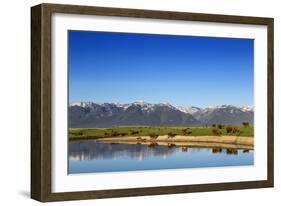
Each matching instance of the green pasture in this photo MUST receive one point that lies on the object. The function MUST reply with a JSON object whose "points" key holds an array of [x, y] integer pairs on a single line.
{"points": [[94, 133]]}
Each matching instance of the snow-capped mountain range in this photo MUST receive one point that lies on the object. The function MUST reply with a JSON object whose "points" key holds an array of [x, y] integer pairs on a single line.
{"points": [[91, 114]]}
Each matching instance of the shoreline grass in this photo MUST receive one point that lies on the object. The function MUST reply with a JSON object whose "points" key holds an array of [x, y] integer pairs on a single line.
{"points": [[187, 141]]}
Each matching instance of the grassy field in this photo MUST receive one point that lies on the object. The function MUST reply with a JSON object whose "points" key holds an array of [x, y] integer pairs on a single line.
{"points": [[94, 133]]}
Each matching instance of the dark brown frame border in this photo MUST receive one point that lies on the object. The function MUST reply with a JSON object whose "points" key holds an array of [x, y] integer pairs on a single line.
{"points": [[41, 101]]}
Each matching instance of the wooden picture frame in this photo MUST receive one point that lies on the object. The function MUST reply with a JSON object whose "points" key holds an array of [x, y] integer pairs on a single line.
{"points": [[41, 116]]}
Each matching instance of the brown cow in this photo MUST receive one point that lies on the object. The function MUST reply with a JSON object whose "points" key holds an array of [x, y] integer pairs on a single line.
{"points": [[216, 131], [115, 134], [134, 132], [171, 135], [228, 129], [153, 136], [235, 130], [139, 139], [186, 131]]}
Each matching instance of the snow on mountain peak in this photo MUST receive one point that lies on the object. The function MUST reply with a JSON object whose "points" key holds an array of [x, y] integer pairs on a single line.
{"points": [[140, 103], [149, 106], [190, 110], [247, 108], [231, 108], [82, 104], [167, 104]]}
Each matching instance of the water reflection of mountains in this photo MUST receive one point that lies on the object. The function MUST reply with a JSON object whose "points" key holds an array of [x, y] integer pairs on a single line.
{"points": [[91, 150]]}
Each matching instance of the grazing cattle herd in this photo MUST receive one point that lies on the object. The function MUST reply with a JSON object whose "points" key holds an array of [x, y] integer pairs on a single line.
{"points": [[217, 131], [153, 137], [153, 133]]}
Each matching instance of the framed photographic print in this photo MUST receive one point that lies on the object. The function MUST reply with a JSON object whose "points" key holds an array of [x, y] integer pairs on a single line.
{"points": [[130, 102]]}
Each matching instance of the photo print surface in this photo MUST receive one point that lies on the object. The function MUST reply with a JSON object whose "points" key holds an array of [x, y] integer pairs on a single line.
{"points": [[151, 102]]}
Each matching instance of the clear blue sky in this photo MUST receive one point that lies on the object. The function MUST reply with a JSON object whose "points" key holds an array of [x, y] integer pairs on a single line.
{"points": [[181, 70]]}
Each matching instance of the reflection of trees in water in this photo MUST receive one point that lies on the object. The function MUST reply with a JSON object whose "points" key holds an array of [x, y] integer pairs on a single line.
{"points": [[171, 145], [89, 150], [227, 151], [232, 151], [216, 150], [184, 149]]}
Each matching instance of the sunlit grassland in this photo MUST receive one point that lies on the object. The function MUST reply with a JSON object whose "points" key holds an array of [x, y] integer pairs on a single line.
{"points": [[94, 133]]}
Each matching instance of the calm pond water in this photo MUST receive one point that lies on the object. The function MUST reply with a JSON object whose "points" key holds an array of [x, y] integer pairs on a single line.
{"points": [[89, 156]]}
